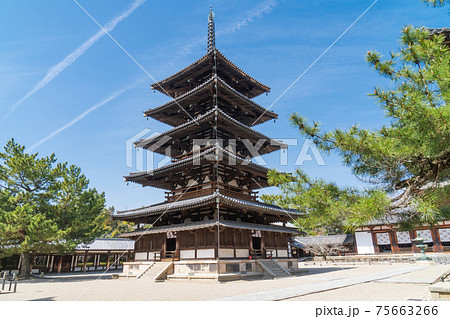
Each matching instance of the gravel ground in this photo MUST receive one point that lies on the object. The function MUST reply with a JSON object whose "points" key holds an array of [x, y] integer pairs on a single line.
{"points": [[90, 287]]}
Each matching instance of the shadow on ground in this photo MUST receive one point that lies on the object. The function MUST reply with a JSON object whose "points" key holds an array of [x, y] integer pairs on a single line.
{"points": [[70, 277], [324, 270], [43, 299]]}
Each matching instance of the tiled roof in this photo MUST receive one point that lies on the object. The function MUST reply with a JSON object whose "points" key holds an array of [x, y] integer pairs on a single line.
{"points": [[113, 244], [191, 160], [330, 240], [210, 223], [206, 117], [205, 86], [438, 30], [202, 201], [210, 55]]}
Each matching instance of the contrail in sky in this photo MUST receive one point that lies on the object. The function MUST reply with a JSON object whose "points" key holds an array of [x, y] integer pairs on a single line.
{"points": [[85, 113], [264, 7], [72, 57]]}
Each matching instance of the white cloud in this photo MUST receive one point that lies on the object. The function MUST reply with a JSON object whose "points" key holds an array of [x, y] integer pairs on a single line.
{"points": [[264, 7]]}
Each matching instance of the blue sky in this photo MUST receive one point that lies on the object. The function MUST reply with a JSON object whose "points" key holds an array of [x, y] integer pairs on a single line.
{"points": [[272, 40]]}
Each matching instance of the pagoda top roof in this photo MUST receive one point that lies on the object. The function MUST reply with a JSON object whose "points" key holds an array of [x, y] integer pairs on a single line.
{"points": [[211, 223], [160, 142], [177, 111], [157, 177], [197, 202], [194, 74]]}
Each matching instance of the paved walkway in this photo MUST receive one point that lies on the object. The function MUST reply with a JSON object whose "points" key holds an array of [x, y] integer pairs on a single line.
{"points": [[291, 292]]}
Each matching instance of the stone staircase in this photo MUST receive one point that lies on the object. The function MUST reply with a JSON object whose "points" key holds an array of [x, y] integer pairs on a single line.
{"points": [[157, 271], [273, 268]]}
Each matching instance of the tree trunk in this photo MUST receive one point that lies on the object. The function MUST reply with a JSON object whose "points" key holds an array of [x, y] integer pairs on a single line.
{"points": [[25, 266]]}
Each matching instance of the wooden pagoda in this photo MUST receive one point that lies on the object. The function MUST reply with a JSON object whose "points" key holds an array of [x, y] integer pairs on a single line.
{"points": [[211, 209]]}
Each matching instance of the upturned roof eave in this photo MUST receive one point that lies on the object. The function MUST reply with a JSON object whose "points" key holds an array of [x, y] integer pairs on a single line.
{"points": [[160, 84], [152, 112], [222, 115], [211, 223], [201, 202], [189, 160]]}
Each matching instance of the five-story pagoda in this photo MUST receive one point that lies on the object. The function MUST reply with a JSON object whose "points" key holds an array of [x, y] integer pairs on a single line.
{"points": [[211, 211]]}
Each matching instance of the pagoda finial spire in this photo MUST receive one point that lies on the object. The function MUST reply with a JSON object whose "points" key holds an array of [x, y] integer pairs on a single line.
{"points": [[211, 31]]}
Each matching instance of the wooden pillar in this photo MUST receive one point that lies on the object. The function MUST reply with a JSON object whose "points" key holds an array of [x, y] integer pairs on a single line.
{"points": [[20, 262], [72, 264], [52, 263], [275, 243], [85, 261], [234, 241], [117, 260], [437, 244], [216, 243], [107, 259], [394, 242], [60, 263], [196, 240], [177, 246], [375, 243], [250, 241], [263, 248], [164, 244]]}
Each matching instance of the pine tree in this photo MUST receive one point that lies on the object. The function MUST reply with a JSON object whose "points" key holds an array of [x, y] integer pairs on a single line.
{"points": [[408, 159], [44, 206]]}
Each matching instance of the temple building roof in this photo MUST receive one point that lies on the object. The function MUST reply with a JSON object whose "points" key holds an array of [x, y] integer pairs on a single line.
{"points": [[211, 223], [202, 69], [319, 241], [444, 31], [162, 177], [200, 99], [192, 130], [167, 207], [107, 244]]}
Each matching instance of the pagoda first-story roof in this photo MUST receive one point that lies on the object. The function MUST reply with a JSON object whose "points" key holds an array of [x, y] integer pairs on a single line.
{"points": [[210, 224], [213, 62], [198, 202], [201, 98], [162, 177], [180, 138]]}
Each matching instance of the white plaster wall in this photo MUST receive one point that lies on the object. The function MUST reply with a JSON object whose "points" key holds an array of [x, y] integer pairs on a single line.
{"points": [[226, 252], [364, 243], [205, 253], [187, 254], [426, 234], [140, 256], [242, 253], [282, 253], [383, 239], [403, 237]]}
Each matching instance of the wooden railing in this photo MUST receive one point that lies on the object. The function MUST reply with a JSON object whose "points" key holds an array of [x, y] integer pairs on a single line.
{"points": [[189, 154], [195, 191], [9, 283]]}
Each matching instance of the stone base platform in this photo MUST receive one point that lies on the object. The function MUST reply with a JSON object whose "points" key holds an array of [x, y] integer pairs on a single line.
{"points": [[440, 291], [224, 269], [215, 277], [211, 269]]}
